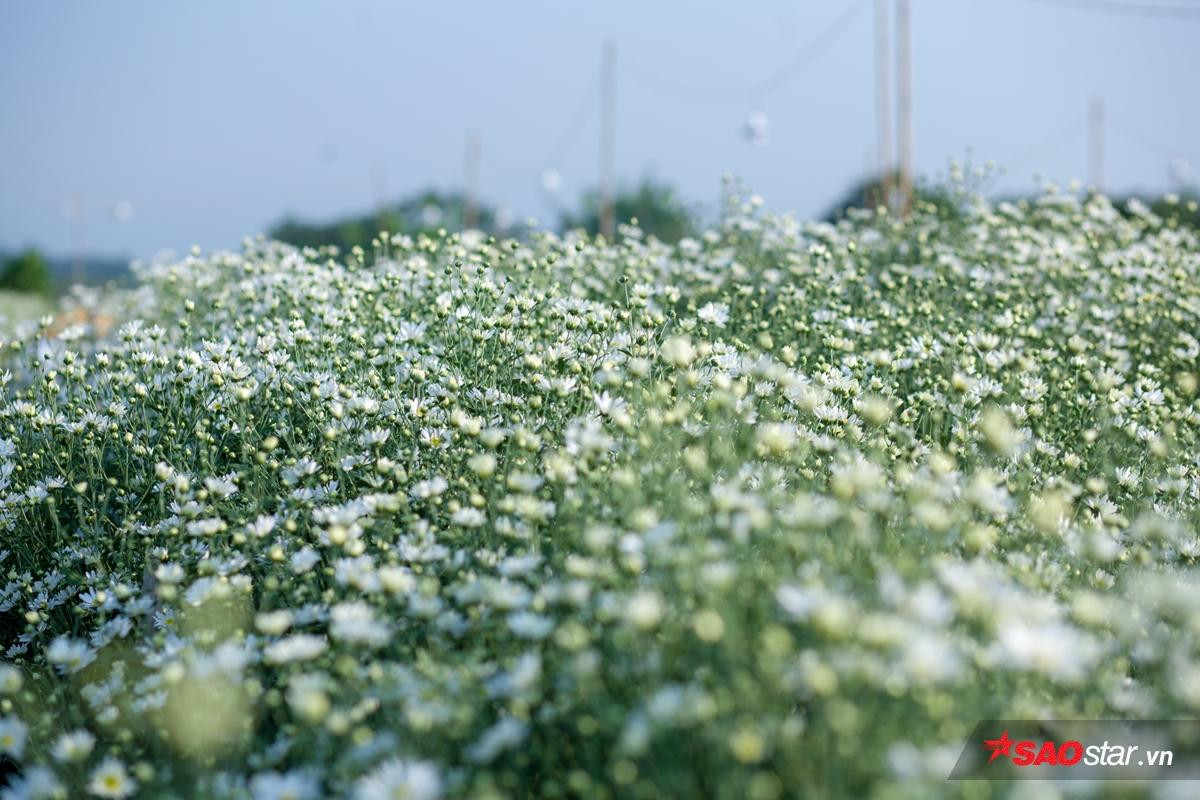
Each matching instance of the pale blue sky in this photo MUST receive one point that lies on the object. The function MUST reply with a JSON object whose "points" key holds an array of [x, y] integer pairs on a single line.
{"points": [[213, 119]]}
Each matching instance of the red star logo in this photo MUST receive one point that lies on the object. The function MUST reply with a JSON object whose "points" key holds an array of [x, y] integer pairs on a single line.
{"points": [[999, 747]]}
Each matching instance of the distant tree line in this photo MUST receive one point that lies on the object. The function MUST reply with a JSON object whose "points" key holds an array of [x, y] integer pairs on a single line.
{"points": [[656, 206], [32, 272], [425, 211], [1177, 209], [27, 272]]}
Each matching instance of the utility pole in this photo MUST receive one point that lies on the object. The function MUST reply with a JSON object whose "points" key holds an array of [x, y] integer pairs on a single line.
{"points": [[76, 209], [608, 132], [379, 192], [883, 102], [470, 218], [904, 145], [1096, 144]]}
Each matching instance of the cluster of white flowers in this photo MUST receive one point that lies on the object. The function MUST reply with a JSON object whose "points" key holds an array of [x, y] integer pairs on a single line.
{"points": [[784, 509]]}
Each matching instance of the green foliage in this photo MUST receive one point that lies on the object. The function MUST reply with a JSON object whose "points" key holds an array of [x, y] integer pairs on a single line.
{"points": [[27, 272], [657, 208], [424, 212], [1174, 209], [780, 511], [948, 199]]}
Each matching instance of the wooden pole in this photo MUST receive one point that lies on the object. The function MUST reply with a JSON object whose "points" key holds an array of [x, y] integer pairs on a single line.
{"points": [[883, 102], [78, 206], [904, 139], [608, 110], [1096, 144], [470, 218]]}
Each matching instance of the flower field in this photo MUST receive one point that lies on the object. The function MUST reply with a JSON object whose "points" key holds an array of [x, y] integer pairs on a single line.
{"points": [[781, 511]]}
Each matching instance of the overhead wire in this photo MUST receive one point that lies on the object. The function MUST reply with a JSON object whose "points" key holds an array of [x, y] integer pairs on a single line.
{"points": [[1127, 8], [802, 58], [761, 88], [575, 123], [1051, 143], [1147, 141]]}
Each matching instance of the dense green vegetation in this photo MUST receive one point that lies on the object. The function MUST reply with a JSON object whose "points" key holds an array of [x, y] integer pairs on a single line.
{"points": [[781, 510], [27, 272], [656, 207], [424, 212]]}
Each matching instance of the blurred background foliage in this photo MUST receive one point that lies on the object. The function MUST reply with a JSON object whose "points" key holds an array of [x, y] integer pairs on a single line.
{"points": [[27, 272], [657, 207], [29, 280]]}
